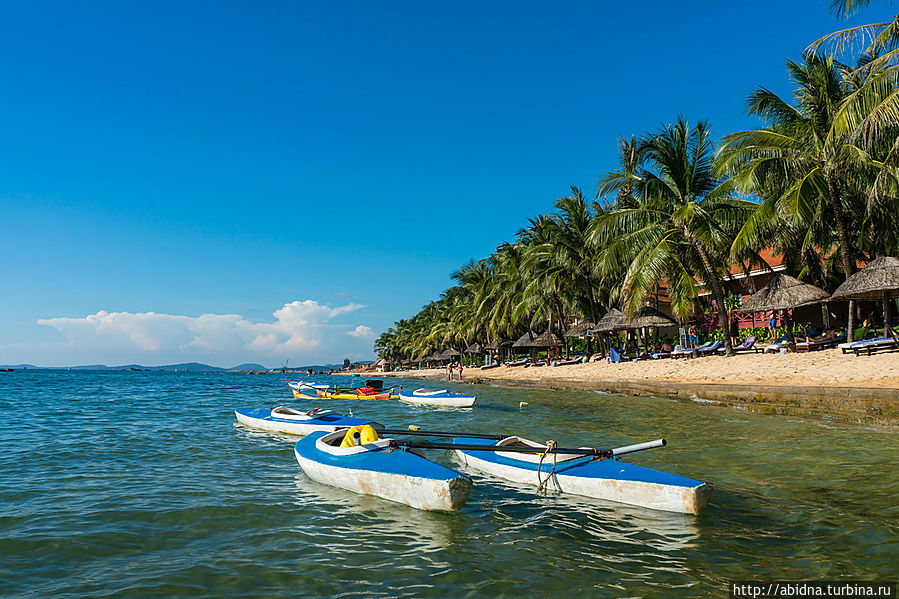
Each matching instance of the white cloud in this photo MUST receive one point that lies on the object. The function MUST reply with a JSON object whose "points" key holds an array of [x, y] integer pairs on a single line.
{"points": [[361, 331], [299, 329]]}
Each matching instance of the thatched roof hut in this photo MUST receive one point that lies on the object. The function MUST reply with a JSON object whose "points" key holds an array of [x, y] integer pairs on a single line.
{"points": [[614, 320], [547, 339], [650, 317], [525, 340], [782, 293], [450, 353], [580, 329], [879, 280], [474, 348]]}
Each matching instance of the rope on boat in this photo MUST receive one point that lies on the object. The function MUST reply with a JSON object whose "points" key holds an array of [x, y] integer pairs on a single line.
{"points": [[550, 446]]}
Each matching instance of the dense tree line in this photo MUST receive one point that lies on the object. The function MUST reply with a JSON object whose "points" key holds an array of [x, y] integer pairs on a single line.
{"points": [[818, 185]]}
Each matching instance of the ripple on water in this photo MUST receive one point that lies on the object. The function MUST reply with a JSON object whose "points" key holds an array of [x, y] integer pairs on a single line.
{"points": [[143, 484]]}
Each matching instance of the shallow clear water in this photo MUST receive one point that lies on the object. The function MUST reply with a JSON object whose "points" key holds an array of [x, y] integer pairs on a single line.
{"points": [[143, 484]]}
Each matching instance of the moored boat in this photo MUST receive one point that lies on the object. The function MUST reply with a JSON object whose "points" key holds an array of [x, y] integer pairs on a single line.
{"points": [[300, 385], [296, 422], [608, 479], [364, 393], [372, 467], [442, 398]]}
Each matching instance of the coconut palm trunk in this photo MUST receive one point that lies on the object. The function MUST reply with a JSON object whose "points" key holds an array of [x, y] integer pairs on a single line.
{"points": [[717, 293]]}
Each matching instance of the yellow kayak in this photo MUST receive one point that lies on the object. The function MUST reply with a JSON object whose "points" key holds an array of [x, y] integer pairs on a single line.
{"points": [[344, 395]]}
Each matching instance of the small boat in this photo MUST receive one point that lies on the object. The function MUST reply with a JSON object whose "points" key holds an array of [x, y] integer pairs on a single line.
{"points": [[360, 393], [608, 479], [372, 467], [442, 398], [299, 385], [296, 422]]}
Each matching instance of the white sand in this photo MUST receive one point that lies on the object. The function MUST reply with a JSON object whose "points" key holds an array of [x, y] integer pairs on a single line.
{"points": [[820, 368]]}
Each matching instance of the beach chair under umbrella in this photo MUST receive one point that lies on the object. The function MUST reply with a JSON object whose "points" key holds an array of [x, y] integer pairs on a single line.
{"points": [[784, 292], [879, 280]]}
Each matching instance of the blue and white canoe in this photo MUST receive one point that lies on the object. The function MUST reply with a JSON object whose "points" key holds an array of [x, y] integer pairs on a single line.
{"points": [[441, 399], [295, 422], [607, 479], [376, 469]]}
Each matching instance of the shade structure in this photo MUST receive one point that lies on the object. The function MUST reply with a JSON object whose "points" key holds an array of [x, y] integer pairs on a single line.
{"points": [[782, 293], [580, 329], [650, 317], [496, 345], [547, 339], [877, 281], [525, 340], [450, 353], [474, 348], [614, 320]]}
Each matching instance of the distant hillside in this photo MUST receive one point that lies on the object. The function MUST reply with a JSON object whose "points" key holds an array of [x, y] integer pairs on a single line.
{"points": [[185, 367]]}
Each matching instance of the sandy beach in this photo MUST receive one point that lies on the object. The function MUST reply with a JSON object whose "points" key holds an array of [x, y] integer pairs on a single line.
{"points": [[823, 368]]}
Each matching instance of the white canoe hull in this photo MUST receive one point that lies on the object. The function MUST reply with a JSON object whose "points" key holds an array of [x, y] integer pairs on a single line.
{"points": [[414, 491], [461, 401], [690, 500], [294, 427]]}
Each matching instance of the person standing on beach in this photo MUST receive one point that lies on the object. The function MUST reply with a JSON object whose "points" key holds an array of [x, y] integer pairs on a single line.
{"points": [[771, 323], [692, 335], [449, 371], [460, 370]]}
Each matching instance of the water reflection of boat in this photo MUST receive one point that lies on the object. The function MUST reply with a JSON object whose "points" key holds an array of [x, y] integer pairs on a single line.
{"points": [[413, 530], [585, 518]]}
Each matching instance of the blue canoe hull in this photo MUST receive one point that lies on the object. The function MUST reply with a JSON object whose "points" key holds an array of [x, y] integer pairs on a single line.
{"points": [[400, 476], [610, 479]]}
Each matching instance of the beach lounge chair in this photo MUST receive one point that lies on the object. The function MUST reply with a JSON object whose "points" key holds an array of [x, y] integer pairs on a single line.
{"points": [[687, 352], [871, 346], [567, 362], [747, 345], [517, 362], [711, 349], [820, 343], [775, 347], [857, 346]]}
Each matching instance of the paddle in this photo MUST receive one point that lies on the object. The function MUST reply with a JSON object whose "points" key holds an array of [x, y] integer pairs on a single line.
{"points": [[588, 451], [421, 433]]}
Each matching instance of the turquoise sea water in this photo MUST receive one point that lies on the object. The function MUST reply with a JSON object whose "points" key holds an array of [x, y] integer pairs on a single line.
{"points": [[120, 484]]}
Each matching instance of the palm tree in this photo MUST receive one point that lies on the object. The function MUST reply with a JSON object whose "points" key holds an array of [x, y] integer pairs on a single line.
{"points": [[795, 164], [681, 221]]}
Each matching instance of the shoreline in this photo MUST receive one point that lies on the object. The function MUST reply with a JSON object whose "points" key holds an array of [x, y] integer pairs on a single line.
{"points": [[824, 385]]}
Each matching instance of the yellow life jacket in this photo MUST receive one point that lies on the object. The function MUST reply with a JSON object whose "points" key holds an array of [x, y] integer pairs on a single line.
{"points": [[367, 434]]}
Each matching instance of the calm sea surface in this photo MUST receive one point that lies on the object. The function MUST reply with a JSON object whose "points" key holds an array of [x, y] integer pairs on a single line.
{"points": [[142, 484]]}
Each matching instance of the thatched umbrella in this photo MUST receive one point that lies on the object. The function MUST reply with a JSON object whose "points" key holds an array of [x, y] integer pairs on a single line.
{"points": [[879, 280], [525, 340], [547, 339], [580, 329], [650, 317], [784, 292], [450, 353], [474, 348], [614, 320]]}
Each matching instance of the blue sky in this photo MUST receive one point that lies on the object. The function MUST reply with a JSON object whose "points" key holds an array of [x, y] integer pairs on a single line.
{"points": [[242, 181]]}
